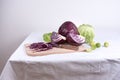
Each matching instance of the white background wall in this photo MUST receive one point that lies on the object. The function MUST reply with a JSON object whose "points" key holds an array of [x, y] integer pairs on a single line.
{"points": [[18, 18]]}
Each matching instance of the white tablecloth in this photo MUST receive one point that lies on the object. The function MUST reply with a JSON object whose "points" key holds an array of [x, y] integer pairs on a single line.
{"points": [[100, 64]]}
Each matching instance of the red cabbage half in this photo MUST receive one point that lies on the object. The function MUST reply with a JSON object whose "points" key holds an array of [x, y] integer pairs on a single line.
{"points": [[68, 27]]}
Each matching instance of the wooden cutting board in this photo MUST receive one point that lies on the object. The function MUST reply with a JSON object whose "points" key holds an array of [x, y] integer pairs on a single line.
{"points": [[61, 50]]}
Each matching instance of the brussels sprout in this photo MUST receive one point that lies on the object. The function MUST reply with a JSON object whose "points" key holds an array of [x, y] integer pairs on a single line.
{"points": [[106, 44], [87, 31], [98, 45], [89, 50]]}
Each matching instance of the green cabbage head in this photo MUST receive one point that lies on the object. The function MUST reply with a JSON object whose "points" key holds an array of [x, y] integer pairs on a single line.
{"points": [[47, 37], [87, 31]]}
